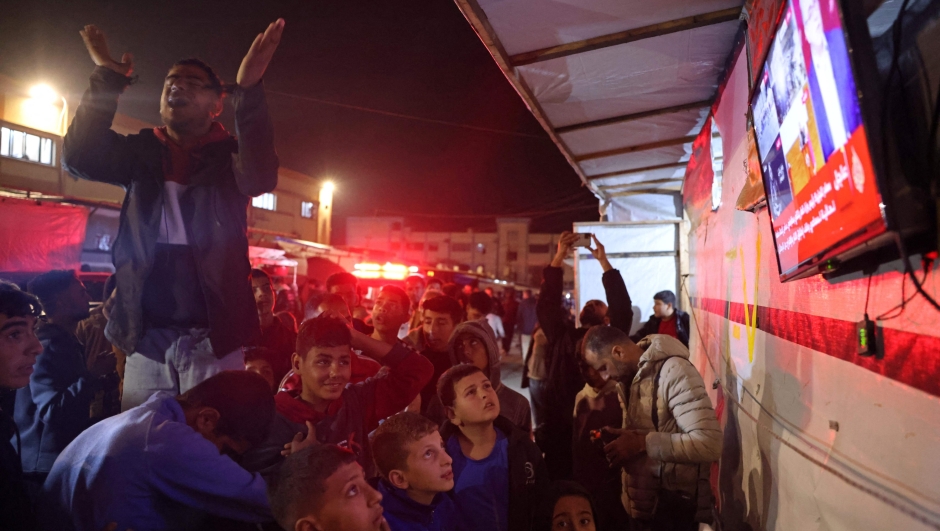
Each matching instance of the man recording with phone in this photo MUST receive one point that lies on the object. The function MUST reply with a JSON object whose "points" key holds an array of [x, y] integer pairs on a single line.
{"points": [[564, 380], [184, 306]]}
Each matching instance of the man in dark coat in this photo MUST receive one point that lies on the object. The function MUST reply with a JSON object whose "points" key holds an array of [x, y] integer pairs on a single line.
{"points": [[666, 319], [564, 379], [184, 306]]}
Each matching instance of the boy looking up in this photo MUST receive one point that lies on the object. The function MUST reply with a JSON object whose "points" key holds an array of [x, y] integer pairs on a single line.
{"points": [[498, 471], [322, 488], [416, 474]]}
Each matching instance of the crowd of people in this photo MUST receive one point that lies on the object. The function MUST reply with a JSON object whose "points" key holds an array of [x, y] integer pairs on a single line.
{"points": [[189, 400]]}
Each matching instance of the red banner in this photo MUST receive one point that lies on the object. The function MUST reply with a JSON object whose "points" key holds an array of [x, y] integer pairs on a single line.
{"points": [[37, 236]]}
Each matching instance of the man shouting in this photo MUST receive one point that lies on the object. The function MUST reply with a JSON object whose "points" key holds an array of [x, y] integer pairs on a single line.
{"points": [[184, 306]]}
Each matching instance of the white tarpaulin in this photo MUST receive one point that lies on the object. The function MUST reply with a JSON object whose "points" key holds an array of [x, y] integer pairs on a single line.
{"points": [[620, 85]]}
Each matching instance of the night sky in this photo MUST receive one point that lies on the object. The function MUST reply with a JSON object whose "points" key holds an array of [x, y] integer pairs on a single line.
{"points": [[411, 57]]}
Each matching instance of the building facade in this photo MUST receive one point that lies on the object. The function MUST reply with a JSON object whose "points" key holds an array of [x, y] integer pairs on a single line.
{"points": [[511, 253]]}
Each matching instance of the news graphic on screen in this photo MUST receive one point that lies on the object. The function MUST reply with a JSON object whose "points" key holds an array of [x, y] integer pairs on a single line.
{"points": [[814, 153]]}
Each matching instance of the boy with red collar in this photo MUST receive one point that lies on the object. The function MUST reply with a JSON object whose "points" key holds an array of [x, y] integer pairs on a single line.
{"points": [[327, 408]]}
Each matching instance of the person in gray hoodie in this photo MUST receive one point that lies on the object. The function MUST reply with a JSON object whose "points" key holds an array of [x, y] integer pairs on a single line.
{"points": [[474, 342]]}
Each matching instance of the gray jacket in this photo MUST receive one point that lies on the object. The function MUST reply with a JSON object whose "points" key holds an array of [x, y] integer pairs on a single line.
{"points": [[679, 455]]}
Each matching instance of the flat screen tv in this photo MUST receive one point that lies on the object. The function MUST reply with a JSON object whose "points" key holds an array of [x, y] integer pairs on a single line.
{"points": [[817, 151]]}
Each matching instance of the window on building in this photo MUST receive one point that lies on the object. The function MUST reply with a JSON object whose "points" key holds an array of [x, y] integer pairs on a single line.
{"points": [[265, 201], [461, 247], [416, 246], [306, 209], [537, 248], [432, 247], [481, 248], [512, 256], [24, 146]]}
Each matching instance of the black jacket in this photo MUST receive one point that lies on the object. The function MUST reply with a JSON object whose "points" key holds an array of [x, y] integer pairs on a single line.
{"points": [[15, 507], [528, 475], [564, 379], [214, 207], [652, 327]]}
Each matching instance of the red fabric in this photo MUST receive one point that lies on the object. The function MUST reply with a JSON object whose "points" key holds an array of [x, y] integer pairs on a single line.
{"points": [[697, 187], [178, 165], [37, 236], [363, 368], [296, 410], [908, 358], [668, 327]]}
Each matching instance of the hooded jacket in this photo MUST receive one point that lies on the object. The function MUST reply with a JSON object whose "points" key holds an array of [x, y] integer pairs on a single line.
{"points": [[404, 514], [214, 207], [679, 455], [512, 404], [528, 475]]}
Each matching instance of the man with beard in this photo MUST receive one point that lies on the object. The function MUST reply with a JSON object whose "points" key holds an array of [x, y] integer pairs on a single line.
{"points": [[670, 433], [55, 407], [275, 337], [184, 308]]}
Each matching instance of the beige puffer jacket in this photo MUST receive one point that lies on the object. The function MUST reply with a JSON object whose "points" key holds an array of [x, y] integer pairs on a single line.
{"points": [[679, 456]]}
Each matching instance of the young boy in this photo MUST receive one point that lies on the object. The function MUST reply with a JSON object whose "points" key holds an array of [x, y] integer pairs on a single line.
{"points": [[473, 342], [498, 471], [323, 488], [261, 361], [416, 472], [598, 406], [326, 408]]}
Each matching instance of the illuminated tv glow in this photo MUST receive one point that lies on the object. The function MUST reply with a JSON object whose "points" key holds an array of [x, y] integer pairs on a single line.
{"points": [[814, 152]]}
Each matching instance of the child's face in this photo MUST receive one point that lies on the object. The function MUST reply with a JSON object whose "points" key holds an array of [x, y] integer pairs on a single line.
{"points": [[324, 373], [428, 468], [470, 349], [263, 369], [573, 513], [348, 504], [592, 376], [476, 401]]}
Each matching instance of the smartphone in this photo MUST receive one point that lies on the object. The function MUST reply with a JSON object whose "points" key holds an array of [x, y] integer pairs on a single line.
{"points": [[584, 240]]}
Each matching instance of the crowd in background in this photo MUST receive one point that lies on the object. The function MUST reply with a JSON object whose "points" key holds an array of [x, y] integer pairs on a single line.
{"points": [[203, 394]]}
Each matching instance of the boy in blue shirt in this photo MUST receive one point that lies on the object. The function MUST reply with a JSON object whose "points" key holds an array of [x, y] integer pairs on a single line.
{"points": [[416, 474], [499, 473]]}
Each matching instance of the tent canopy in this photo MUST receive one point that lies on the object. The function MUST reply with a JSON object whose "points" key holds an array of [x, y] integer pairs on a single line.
{"points": [[621, 86]]}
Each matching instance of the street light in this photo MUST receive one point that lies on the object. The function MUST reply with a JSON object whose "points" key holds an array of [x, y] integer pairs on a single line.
{"points": [[41, 108], [325, 212]]}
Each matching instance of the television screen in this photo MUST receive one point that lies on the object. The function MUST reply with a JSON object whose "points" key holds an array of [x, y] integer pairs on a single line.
{"points": [[814, 153]]}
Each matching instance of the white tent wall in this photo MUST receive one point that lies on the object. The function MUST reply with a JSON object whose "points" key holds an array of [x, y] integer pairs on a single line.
{"points": [[815, 437], [645, 253]]}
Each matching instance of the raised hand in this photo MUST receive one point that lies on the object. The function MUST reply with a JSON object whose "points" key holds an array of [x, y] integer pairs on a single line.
{"points": [[600, 254], [259, 55], [565, 243], [97, 47]]}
